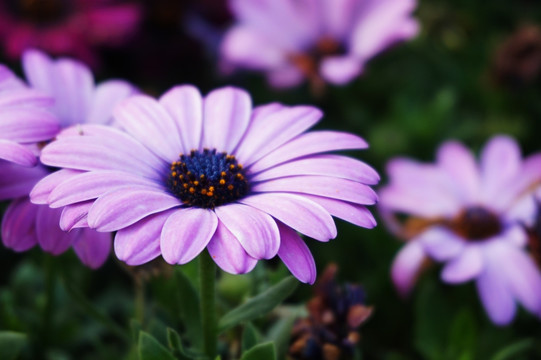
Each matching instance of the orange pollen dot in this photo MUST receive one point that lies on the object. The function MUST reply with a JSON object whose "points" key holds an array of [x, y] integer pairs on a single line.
{"points": [[232, 166], [196, 182], [222, 182], [174, 173], [240, 177], [211, 189], [210, 193], [230, 187], [181, 177], [185, 186], [202, 176], [192, 190], [204, 191], [223, 174]]}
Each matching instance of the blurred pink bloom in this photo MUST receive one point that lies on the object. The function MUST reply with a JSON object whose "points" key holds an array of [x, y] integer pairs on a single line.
{"points": [[473, 218], [65, 27], [322, 40], [77, 100]]}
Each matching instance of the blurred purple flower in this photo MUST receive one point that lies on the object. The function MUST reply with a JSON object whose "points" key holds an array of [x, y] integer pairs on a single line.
{"points": [[24, 120], [77, 101], [65, 27], [322, 40], [469, 217], [160, 202]]}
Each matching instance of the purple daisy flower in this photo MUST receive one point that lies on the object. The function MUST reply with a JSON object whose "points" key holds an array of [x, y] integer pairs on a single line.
{"points": [[77, 101], [471, 218], [325, 40], [191, 173], [24, 120]]}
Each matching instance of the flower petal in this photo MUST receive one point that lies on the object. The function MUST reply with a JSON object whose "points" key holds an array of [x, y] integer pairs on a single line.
{"points": [[186, 233], [17, 181], [122, 207], [19, 225], [441, 244], [308, 144], [19, 154], [256, 231], [92, 247], [464, 267], [43, 188], [353, 213], [75, 216], [296, 212], [107, 95], [226, 116], [340, 70], [334, 188], [140, 243], [26, 124], [296, 256], [228, 253], [406, 266], [495, 296], [50, 237], [185, 105], [269, 130], [325, 165]]}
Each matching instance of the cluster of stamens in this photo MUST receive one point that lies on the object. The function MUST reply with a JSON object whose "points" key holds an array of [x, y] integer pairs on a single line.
{"points": [[476, 223], [207, 179]]}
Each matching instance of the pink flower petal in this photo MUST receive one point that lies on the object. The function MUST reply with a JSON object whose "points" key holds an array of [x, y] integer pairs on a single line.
{"points": [[296, 255], [406, 266], [464, 267], [92, 247], [19, 225]]}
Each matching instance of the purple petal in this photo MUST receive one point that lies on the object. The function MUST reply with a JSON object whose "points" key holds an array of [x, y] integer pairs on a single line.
{"points": [[285, 76], [17, 181], [91, 185], [338, 16], [228, 253], [104, 153], [19, 154], [441, 244], [524, 181], [296, 255], [326, 165], [75, 216], [185, 105], [26, 125], [269, 130], [353, 213], [122, 207], [340, 70], [406, 266], [495, 296], [148, 122], [500, 161], [107, 95], [19, 225], [226, 116], [296, 212], [43, 188], [256, 231], [308, 144], [50, 237], [92, 247], [459, 163], [186, 233], [140, 243], [464, 267], [334, 188], [25, 97]]}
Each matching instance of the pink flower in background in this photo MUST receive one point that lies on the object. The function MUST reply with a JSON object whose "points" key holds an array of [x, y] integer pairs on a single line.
{"points": [[77, 100], [322, 40], [63, 27], [191, 173], [24, 120], [470, 217]]}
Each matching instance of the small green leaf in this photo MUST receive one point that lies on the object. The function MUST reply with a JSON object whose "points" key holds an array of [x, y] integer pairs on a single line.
{"points": [[249, 337], [280, 335], [11, 344], [264, 351], [259, 305], [151, 349], [190, 309], [512, 351], [135, 329]]}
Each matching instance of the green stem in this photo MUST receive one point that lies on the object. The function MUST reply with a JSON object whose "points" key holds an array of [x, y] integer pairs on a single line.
{"points": [[207, 280]]}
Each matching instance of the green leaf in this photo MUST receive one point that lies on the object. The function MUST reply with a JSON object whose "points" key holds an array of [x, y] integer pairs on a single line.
{"points": [[151, 349], [264, 351], [11, 344], [259, 305], [463, 336], [190, 309], [135, 329], [512, 351], [175, 344], [280, 334], [249, 337]]}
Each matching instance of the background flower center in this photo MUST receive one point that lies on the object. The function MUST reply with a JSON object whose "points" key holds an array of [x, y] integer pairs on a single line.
{"points": [[207, 179], [476, 223]]}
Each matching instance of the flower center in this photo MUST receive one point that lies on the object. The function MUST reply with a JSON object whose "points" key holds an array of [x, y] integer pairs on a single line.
{"points": [[476, 223], [308, 62], [207, 179], [39, 12]]}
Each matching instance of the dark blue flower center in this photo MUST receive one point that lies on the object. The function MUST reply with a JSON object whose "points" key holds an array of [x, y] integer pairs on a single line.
{"points": [[207, 179], [476, 223]]}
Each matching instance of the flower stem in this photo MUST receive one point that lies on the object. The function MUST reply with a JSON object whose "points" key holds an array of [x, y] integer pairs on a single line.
{"points": [[207, 280]]}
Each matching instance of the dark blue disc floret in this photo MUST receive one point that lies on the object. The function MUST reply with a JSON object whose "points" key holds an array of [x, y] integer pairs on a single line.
{"points": [[207, 179]]}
